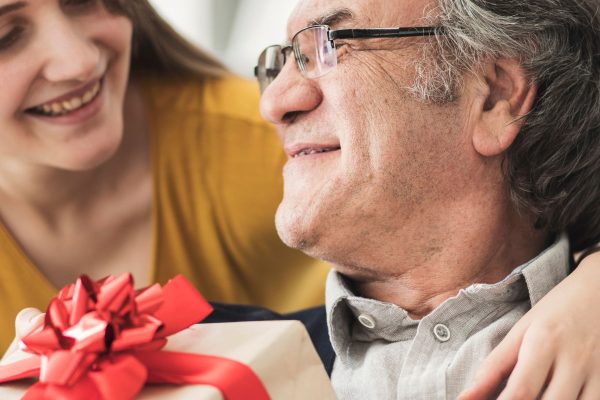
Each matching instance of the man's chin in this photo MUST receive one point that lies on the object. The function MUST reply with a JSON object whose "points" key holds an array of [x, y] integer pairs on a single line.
{"points": [[293, 230]]}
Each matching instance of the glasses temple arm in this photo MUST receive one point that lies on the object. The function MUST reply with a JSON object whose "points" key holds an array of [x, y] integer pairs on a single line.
{"points": [[383, 33]]}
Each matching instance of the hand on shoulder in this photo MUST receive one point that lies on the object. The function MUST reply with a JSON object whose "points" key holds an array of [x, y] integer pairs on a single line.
{"points": [[554, 349]]}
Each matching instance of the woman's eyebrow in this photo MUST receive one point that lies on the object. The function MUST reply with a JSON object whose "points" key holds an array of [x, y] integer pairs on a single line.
{"points": [[12, 7]]}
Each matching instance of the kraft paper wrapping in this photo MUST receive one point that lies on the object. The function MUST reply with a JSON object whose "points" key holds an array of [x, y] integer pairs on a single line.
{"points": [[280, 353]]}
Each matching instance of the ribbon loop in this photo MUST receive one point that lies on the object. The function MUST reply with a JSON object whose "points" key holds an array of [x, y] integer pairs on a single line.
{"points": [[102, 340]]}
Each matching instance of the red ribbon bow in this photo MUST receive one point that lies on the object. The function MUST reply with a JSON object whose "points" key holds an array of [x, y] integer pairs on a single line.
{"points": [[103, 340]]}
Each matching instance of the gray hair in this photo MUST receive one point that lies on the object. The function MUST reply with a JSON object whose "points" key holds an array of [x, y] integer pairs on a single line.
{"points": [[553, 167]]}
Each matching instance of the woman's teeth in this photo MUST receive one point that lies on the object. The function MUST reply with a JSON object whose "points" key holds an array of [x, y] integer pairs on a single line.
{"points": [[66, 106]]}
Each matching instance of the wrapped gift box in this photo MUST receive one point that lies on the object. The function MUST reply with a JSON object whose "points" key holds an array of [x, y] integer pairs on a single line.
{"points": [[279, 352]]}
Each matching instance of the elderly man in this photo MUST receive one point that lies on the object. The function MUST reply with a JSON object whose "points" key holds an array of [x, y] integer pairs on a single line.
{"points": [[437, 167]]}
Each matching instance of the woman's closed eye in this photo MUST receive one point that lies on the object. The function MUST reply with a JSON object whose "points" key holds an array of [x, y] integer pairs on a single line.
{"points": [[14, 34], [11, 38]]}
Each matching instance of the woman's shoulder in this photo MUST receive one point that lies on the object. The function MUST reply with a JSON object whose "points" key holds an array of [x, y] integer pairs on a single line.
{"points": [[228, 97]]}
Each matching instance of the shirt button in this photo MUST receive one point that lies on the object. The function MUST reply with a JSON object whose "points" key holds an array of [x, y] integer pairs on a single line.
{"points": [[441, 332], [367, 321]]}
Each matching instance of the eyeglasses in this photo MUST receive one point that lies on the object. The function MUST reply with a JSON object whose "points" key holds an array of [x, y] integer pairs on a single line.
{"points": [[315, 51]]}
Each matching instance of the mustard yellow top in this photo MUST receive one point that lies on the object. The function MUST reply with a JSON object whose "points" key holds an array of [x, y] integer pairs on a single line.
{"points": [[217, 182]]}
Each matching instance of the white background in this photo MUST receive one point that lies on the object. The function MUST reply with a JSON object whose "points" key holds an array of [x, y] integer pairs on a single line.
{"points": [[236, 31]]}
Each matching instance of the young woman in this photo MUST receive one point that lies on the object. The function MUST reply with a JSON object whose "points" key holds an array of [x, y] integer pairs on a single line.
{"points": [[124, 148]]}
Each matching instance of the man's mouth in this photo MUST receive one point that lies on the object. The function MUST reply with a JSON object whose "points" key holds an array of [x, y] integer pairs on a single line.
{"points": [[314, 150], [69, 103]]}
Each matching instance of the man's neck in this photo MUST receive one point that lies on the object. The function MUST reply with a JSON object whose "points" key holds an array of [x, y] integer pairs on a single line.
{"points": [[425, 278]]}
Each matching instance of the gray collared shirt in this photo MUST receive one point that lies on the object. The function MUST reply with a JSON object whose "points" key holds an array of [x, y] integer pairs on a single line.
{"points": [[384, 354]]}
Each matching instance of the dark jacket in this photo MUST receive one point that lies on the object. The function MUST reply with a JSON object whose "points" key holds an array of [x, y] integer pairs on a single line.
{"points": [[314, 320]]}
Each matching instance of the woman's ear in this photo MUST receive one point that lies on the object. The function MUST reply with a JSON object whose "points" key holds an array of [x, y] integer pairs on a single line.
{"points": [[510, 96]]}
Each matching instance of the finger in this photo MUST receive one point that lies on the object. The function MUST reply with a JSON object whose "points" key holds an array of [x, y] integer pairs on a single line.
{"points": [[496, 367], [533, 367], [566, 382], [27, 321], [591, 389]]}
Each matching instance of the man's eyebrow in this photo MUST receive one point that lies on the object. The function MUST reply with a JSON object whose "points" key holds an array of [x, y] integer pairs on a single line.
{"points": [[333, 17], [12, 7]]}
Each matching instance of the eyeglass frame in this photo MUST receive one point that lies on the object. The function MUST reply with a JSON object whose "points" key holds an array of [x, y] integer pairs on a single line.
{"points": [[361, 33]]}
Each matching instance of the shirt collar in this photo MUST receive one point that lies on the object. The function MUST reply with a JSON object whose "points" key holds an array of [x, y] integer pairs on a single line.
{"points": [[533, 279]]}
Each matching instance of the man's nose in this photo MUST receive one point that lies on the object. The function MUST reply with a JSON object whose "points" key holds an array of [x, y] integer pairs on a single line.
{"points": [[289, 95], [70, 53]]}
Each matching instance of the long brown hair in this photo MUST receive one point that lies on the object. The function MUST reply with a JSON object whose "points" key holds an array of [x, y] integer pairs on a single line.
{"points": [[157, 47]]}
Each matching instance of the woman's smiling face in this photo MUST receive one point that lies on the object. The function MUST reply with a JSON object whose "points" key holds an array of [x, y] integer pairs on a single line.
{"points": [[64, 67]]}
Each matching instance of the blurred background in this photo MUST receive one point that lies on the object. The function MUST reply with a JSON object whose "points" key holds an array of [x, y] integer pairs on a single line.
{"points": [[236, 31]]}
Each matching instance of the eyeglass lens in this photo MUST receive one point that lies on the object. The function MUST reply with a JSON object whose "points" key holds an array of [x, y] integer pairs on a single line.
{"points": [[270, 63], [314, 53]]}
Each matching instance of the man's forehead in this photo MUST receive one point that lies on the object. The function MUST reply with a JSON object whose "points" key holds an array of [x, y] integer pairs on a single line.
{"points": [[366, 13]]}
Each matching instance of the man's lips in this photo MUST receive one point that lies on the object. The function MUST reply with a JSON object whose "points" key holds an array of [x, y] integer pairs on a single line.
{"points": [[301, 150]]}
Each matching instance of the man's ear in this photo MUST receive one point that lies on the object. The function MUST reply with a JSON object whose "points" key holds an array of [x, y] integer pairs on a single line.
{"points": [[510, 96]]}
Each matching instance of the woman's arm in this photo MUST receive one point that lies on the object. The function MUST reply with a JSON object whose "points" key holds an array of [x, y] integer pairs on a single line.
{"points": [[556, 343]]}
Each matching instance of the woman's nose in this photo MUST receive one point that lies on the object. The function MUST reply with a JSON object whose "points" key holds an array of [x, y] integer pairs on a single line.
{"points": [[70, 53], [289, 95]]}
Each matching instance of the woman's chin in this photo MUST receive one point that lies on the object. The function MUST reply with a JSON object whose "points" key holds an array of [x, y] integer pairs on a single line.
{"points": [[86, 159]]}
